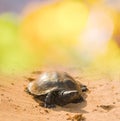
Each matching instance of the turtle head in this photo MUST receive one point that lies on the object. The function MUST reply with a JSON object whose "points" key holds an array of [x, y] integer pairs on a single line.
{"points": [[84, 88]]}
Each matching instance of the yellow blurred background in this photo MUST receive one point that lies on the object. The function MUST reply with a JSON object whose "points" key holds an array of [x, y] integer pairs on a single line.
{"points": [[78, 33]]}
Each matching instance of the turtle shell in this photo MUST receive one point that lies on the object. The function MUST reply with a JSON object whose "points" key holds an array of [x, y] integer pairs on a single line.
{"points": [[49, 81]]}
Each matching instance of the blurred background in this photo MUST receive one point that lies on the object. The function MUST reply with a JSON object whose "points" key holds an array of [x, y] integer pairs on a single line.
{"points": [[68, 33]]}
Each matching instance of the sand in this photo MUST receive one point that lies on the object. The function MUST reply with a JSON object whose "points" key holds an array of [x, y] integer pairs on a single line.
{"points": [[102, 101]]}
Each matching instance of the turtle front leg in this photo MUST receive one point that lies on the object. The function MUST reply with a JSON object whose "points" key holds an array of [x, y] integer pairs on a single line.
{"points": [[78, 100], [66, 97], [49, 100]]}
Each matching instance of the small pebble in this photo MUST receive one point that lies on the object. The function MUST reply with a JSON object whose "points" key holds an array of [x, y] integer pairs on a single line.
{"points": [[2, 94], [12, 83], [46, 111]]}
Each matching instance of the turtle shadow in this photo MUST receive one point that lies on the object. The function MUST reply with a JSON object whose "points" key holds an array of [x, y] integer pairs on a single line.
{"points": [[73, 107]]}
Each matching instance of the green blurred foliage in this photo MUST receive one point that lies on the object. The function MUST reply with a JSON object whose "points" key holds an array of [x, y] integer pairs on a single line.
{"points": [[13, 58]]}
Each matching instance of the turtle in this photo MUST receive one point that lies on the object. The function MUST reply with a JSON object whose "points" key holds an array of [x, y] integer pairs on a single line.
{"points": [[56, 88]]}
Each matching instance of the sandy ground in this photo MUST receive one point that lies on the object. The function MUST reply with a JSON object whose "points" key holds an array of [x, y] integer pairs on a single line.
{"points": [[102, 102]]}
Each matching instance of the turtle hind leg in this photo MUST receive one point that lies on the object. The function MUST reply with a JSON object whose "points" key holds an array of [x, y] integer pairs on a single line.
{"points": [[50, 100], [27, 91], [78, 100]]}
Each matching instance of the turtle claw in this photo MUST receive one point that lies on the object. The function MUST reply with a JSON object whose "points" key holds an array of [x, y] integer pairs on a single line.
{"points": [[49, 105]]}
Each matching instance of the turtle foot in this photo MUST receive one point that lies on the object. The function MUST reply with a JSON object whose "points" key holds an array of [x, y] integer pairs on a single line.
{"points": [[49, 105], [79, 100]]}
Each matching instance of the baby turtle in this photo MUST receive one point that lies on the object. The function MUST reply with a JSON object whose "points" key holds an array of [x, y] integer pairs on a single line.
{"points": [[56, 88]]}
